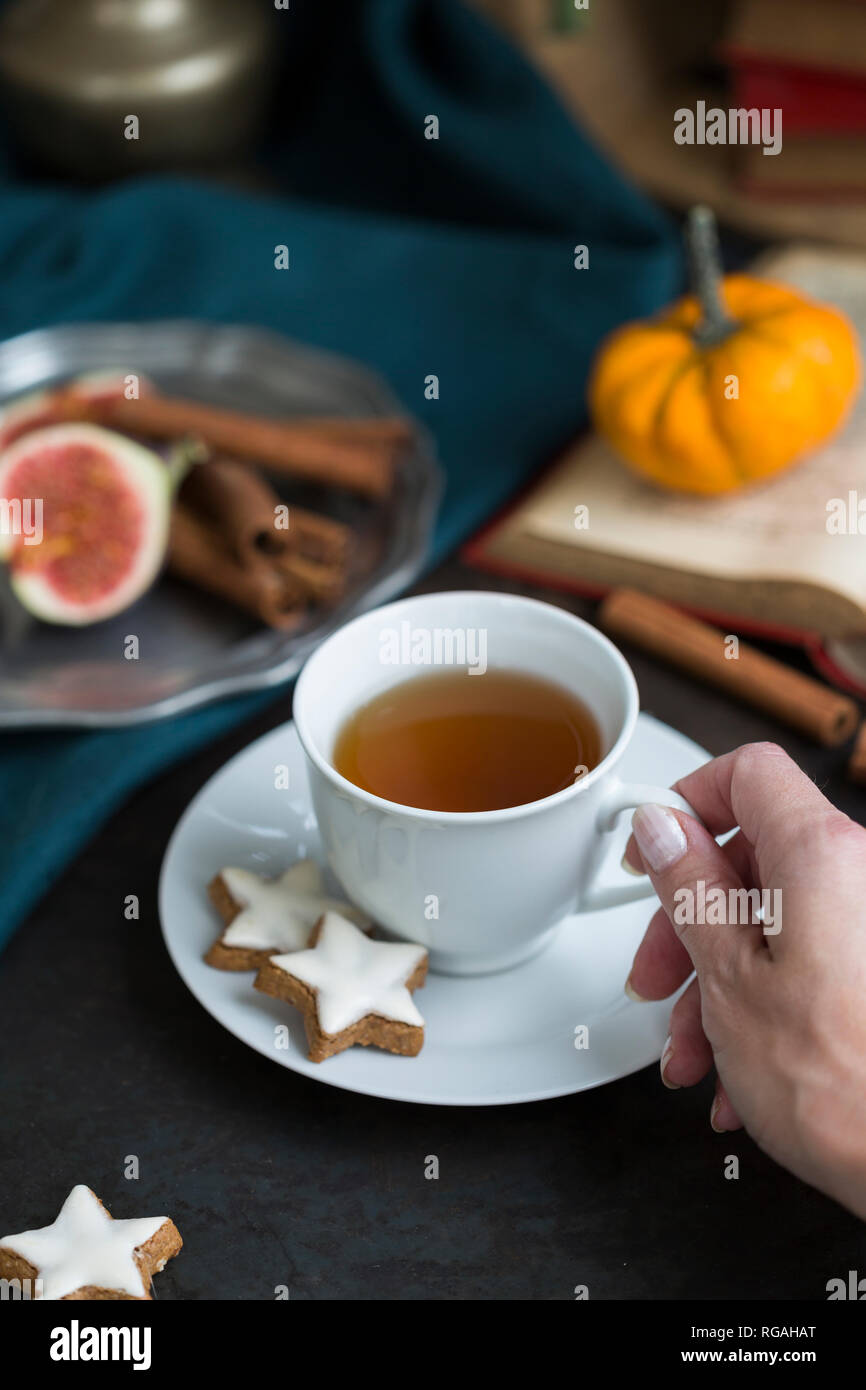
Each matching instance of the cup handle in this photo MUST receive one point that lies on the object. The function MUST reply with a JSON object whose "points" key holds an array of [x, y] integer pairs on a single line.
{"points": [[625, 796]]}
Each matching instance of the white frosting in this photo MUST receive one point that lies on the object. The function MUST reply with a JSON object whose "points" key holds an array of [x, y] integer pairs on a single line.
{"points": [[86, 1246], [355, 976], [278, 914]]}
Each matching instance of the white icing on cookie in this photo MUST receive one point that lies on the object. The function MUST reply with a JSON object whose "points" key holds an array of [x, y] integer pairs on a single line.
{"points": [[85, 1246], [355, 976], [279, 914]]}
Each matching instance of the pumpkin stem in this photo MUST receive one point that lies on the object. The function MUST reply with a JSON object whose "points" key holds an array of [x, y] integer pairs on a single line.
{"points": [[703, 244]]}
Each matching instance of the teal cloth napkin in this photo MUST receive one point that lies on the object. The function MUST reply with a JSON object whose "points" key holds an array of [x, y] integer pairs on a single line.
{"points": [[451, 257]]}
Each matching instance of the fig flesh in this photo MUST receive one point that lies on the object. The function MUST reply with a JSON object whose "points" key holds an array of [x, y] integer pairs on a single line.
{"points": [[84, 521]]}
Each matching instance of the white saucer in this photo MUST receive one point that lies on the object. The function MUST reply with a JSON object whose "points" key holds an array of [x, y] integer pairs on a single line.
{"points": [[490, 1040]]}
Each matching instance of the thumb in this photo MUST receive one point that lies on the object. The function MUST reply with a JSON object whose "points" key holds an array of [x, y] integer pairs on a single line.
{"points": [[699, 888]]}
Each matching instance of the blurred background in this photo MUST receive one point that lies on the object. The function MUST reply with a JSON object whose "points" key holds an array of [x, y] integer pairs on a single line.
{"points": [[209, 78], [622, 67]]}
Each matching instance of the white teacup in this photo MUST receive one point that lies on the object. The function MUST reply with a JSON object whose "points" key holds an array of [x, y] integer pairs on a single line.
{"points": [[483, 890]]}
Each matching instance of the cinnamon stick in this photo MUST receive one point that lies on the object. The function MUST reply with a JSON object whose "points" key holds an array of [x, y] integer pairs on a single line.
{"points": [[759, 680], [857, 761], [336, 458], [385, 429], [246, 509], [197, 554], [239, 503], [321, 583], [319, 538]]}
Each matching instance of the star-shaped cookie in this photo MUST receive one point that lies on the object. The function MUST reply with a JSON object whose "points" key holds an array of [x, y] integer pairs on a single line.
{"points": [[351, 989], [86, 1254], [268, 915]]}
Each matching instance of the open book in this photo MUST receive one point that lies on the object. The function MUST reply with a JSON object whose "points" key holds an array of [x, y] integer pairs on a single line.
{"points": [[784, 558]]}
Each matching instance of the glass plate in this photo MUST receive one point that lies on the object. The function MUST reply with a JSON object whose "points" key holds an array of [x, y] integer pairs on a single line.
{"points": [[194, 648]]}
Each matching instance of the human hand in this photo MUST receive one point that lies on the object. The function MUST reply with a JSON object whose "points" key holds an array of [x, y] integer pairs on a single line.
{"points": [[778, 1008]]}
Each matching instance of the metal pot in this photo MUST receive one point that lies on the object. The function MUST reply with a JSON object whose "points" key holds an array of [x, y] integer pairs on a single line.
{"points": [[99, 88]]}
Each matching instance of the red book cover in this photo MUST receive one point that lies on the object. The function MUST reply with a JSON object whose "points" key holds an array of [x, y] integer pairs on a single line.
{"points": [[813, 101]]}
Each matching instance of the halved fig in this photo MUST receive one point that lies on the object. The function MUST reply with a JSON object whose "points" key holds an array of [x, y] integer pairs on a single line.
{"points": [[104, 503]]}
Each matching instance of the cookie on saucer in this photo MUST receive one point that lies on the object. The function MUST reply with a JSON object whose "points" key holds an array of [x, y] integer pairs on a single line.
{"points": [[264, 916], [351, 989]]}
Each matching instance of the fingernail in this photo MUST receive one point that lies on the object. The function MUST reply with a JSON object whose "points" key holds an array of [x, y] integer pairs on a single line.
{"points": [[629, 868], [632, 992], [659, 835], [716, 1107], [667, 1054]]}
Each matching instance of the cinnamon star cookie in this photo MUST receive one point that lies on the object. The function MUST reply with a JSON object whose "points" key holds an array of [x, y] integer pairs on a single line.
{"points": [[264, 916], [351, 989], [86, 1254]]}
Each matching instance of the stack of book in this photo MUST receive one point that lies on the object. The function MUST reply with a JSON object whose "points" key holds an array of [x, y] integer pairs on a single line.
{"points": [[808, 61], [763, 561]]}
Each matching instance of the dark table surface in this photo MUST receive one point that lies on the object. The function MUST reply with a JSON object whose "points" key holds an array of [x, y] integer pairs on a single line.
{"points": [[275, 1179]]}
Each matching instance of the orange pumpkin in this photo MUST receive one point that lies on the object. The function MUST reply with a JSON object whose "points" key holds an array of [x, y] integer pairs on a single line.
{"points": [[729, 385]]}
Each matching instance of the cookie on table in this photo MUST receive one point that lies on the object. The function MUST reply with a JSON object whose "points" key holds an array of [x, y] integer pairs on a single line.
{"points": [[351, 989], [268, 915], [86, 1254]]}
